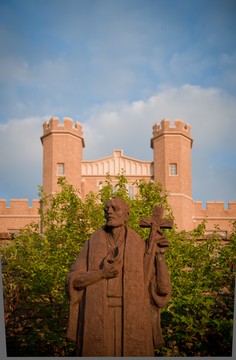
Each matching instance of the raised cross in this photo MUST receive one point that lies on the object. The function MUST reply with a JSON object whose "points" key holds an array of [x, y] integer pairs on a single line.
{"points": [[157, 219]]}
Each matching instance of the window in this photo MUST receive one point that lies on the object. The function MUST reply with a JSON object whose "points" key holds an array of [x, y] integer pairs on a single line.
{"points": [[61, 169], [14, 232], [220, 233], [131, 192], [173, 169]]}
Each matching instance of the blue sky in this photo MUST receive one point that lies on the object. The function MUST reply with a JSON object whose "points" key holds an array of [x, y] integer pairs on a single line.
{"points": [[118, 67]]}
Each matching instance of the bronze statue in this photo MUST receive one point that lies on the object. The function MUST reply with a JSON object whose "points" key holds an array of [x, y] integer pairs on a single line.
{"points": [[117, 286]]}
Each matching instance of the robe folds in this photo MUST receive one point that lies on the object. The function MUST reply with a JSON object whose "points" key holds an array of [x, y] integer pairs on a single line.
{"points": [[88, 318]]}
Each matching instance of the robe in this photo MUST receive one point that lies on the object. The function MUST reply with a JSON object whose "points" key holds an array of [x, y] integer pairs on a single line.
{"points": [[89, 324]]}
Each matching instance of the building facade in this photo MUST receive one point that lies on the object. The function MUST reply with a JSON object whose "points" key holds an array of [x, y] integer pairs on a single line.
{"points": [[171, 165]]}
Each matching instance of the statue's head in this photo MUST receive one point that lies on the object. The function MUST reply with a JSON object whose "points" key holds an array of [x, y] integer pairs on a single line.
{"points": [[116, 212]]}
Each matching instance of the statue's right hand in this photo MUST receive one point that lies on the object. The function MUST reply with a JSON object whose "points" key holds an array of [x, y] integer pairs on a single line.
{"points": [[111, 268]]}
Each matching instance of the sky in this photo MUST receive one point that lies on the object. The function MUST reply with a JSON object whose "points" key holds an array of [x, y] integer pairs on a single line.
{"points": [[118, 67]]}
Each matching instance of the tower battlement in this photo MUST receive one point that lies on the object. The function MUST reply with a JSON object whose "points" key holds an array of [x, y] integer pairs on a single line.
{"points": [[216, 208], [216, 215], [68, 126], [18, 214], [164, 126], [19, 207]]}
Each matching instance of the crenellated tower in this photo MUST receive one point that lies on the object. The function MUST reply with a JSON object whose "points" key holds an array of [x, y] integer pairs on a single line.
{"points": [[172, 166], [62, 153]]}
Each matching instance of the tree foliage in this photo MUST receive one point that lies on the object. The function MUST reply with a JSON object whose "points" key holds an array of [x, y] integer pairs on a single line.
{"points": [[199, 316], [196, 322]]}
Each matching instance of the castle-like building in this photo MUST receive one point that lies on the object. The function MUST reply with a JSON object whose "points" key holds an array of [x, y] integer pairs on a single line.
{"points": [[171, 165]]}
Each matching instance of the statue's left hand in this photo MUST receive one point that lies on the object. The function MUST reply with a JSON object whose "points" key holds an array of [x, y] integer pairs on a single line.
{"points": [[159, 238], [162, 242]]}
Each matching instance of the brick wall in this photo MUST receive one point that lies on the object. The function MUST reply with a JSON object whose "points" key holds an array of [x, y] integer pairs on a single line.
{"points": [[216, 214], [18, 214]]}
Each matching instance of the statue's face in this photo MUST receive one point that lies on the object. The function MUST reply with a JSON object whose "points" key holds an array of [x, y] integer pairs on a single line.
{"points": [[114, 213]]}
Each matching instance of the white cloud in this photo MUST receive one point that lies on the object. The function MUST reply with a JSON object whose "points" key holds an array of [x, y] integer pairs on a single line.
{"points": [[209, 111]]}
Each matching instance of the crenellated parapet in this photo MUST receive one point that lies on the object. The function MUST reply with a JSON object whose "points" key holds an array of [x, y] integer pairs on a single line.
{"points": [[216, 214], [68, 126], [215, 209], [164, 127], [19, 207], [18, 214]]}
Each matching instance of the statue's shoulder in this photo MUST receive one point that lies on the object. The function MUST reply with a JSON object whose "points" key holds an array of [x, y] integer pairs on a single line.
{"points": [[99, 233], [133, 234]]}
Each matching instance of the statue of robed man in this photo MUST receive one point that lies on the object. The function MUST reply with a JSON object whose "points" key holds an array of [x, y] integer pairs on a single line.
{"points": [[117, 287]]}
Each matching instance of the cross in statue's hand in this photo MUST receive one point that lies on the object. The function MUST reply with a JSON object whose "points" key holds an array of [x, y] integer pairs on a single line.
{"points": [[156, 222]]}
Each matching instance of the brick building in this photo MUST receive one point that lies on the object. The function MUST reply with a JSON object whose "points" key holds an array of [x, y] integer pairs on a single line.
{"points": [[171, 165]]}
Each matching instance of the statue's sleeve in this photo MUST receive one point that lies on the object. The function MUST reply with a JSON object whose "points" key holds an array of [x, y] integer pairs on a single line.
{"points": [[160, 283], [75, 296], [79, 265]]}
